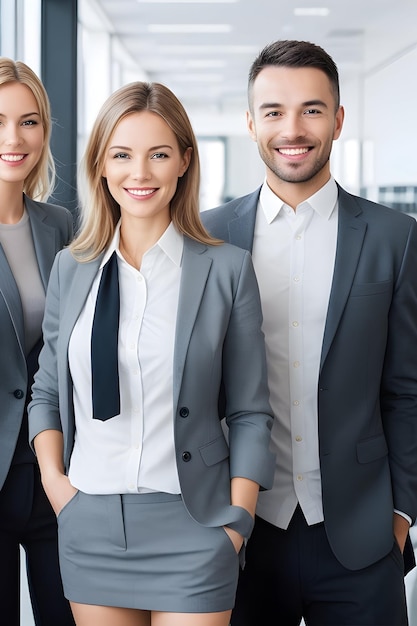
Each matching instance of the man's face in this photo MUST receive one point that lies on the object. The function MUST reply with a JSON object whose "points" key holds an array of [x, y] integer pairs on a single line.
{"points": [[294, 121]]}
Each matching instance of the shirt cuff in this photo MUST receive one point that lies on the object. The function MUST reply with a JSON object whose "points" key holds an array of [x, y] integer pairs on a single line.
{"points": [[404, 515]]}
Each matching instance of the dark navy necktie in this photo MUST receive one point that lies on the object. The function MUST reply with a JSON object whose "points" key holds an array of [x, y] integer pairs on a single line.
{"points": [[104, 345]]}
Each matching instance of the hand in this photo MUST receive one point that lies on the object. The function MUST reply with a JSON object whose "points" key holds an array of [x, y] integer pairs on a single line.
{"points": [[234, 537], [401, 528], [59, 491]]}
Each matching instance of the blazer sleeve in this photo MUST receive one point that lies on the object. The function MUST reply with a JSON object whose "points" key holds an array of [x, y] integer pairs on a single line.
{"points": [[43, 410], [399, 381], [247, 410]]}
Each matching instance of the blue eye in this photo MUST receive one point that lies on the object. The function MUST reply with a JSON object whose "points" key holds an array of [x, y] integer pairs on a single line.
{"points": [[159, 155]]}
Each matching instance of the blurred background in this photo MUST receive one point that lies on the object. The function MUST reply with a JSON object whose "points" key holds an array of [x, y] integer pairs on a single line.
{"points": [[202, 49]]}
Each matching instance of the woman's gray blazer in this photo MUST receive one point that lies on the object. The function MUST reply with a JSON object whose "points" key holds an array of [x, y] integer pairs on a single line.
{"points": [[51, 228], [219, 346]]}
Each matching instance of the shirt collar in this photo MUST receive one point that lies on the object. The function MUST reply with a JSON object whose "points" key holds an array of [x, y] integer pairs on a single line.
{"points": [[171, 243], [322, 202]]}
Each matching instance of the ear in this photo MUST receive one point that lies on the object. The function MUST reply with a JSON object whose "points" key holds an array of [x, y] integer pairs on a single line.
{"points": [[251, 126], [186, 158], [340, 116]]}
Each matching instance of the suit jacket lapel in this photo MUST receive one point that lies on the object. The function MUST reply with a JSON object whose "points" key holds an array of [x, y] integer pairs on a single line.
{"points": [[44, 238], [44, 244], [195, 270], [241, 228], [351, 233], [10, 293], [75, 298]]}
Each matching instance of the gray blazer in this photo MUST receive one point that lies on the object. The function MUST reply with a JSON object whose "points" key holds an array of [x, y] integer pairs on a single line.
{"points": [[219, 341], [51, 230], [367, 389]]}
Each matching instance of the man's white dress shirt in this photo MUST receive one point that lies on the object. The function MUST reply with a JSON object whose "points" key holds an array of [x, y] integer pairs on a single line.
{"points": [[300, 246]]}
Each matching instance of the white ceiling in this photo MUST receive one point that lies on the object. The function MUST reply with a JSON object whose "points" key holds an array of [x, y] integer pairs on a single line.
{"points": [[211, 70]]}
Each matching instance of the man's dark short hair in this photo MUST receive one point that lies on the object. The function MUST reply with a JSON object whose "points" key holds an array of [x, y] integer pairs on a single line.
{"points": [[293, 53]]}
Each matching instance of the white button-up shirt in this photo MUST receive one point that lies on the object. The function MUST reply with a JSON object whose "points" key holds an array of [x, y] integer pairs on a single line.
{"points": [[134, 451], [294, 254]]}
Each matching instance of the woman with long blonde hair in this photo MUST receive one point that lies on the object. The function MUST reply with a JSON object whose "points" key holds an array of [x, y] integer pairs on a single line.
{"points": [[31, 232], [152, 335]]}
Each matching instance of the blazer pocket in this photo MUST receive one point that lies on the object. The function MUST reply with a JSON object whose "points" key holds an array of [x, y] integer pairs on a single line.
{"points": [[370, 289], [371, 449], [215, 451]]}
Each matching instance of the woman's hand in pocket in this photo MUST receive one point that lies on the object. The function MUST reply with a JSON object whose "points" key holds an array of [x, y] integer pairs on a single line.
{"points": [[235, 537], [59, 491]]}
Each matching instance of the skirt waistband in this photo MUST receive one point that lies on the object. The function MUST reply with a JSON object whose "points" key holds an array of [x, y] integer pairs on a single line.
{"points": [[146, 498]]}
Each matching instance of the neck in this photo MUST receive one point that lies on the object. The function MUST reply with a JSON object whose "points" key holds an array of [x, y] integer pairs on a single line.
{"points": [[11, 203], [138, 237], [295, 193]]}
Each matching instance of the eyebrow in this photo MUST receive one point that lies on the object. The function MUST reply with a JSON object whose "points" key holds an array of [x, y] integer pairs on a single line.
{"points": [[279, 105], [150, 149], [24, 115]]}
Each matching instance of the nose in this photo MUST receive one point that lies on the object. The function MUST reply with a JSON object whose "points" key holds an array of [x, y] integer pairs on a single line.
{"points": [[12, 136], [141, 170], [293, 127]]}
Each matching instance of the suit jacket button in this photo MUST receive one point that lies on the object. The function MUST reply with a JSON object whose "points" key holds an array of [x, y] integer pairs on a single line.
{"points": [[186, 456], [18, 394], [184, 412]]}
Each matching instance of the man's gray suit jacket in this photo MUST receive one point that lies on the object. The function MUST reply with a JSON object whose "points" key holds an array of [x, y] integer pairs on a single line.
{"points": [[367, 388]]}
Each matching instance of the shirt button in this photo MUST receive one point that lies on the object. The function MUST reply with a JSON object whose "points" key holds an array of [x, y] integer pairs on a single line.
{"points": [[297, 279], [299, 477], [298, 237], [296, 364], [296, 403], [295, 324], [298, 438]]}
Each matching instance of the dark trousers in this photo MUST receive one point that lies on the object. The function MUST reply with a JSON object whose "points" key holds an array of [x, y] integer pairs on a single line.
{"points": [[293, 574], [27, 519]]}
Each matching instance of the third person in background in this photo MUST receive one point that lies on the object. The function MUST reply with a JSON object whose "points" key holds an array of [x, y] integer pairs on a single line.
{"points": [[338, 281], [32, 230]]}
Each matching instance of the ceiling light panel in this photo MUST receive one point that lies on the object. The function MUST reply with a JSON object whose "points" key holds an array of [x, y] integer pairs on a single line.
{"points": [[189, 28]]}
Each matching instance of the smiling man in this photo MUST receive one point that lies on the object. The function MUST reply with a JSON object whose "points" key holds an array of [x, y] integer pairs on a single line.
{"points": [[338, 282]]}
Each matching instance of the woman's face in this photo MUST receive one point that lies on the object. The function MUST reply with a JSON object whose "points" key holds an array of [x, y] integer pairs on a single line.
{"points": [[142, 165], [21, 133]]}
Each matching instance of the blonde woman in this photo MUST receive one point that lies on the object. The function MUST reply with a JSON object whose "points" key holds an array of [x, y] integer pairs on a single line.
{"points": [[31, 232], [153, 504]]}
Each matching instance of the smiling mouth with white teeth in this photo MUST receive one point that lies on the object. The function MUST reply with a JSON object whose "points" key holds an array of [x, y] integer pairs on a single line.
{"points": [[141, 192], [293, 151], [12, 157]]}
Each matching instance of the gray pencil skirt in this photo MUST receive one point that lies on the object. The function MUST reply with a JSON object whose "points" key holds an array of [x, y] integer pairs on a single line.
{"points": [[144, 551]]}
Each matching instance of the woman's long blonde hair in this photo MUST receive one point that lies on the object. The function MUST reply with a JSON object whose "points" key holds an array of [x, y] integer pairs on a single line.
{"points": [[99, 211], [40, 182]]}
